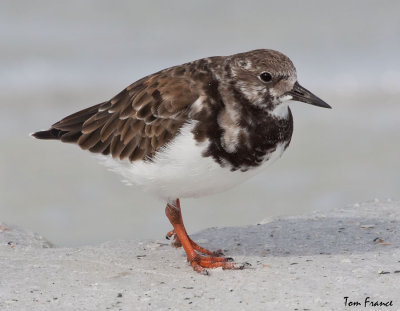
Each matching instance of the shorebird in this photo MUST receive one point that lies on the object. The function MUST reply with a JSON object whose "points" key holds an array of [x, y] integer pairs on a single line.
{"points": [[194, 130]]}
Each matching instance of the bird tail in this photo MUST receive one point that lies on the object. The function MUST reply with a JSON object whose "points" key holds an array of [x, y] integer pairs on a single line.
{"points": [[49, 134], [68, 129]]}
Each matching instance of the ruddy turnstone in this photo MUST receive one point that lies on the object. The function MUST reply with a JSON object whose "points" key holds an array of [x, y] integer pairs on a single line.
{"points": [[193, 130]]}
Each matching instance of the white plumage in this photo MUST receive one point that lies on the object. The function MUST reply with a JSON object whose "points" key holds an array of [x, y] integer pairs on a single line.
{"points": [[179, 170]]}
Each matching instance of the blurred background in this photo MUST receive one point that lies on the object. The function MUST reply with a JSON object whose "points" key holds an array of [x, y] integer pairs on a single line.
{"points": [[59, 57]]}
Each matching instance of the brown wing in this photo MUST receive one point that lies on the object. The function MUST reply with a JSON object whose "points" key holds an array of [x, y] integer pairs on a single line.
{"points": [[135, 123]]}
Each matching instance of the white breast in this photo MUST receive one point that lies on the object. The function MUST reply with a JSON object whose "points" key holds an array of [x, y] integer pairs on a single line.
{"points": [[179, 170]]}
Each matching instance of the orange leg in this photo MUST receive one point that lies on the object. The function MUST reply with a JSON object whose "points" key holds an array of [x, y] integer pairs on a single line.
{"points": [[177, 243], [198, 262]]}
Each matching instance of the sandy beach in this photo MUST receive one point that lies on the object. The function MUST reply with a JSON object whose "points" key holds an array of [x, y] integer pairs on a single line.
{"points": [[309, 262]]}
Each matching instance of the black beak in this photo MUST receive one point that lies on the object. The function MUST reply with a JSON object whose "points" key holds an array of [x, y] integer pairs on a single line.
{"points": [[301, 94]]}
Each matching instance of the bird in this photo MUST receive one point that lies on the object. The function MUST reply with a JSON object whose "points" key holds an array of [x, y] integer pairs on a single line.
{"points": [[193, 130]]}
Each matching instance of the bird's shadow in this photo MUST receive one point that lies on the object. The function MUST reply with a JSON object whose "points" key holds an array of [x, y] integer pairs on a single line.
{"points": [[304, 237]]}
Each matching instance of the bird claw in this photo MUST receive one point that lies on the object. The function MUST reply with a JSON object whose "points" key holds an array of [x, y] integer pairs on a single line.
{"points": [[218, 252], [200, 264], [241, 266]]}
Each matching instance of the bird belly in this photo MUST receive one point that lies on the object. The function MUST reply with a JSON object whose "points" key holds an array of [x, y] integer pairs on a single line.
{"points": [[180, 170]]}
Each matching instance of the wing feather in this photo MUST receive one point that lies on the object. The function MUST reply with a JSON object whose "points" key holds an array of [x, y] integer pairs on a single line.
{"points": [[135, 123]]}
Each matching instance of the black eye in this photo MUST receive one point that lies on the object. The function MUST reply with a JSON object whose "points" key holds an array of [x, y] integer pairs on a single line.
{"points": [[265, 77]]}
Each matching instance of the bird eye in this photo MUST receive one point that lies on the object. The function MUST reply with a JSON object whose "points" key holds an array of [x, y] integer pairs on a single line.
{"points": [[265, 77]]}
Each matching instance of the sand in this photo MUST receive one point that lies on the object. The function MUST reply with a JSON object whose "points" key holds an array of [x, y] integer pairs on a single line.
{"points": [[310, 262]]}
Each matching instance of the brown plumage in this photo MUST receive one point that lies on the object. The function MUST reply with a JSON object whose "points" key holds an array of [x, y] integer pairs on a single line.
{"points": [[133, 124]]}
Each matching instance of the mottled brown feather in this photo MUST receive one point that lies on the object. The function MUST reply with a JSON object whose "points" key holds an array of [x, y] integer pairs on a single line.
{"points": [[91, 125], [136, 122], [87, 141], [70, 137], [144, 111], [137, 154], [148, 131], [127, 112], [116, 146], [101, 146], [129, 148], [110, 127], [126, 131]]}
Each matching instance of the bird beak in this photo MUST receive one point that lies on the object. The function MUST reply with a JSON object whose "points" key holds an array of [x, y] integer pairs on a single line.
{"points": [[301, 94]]}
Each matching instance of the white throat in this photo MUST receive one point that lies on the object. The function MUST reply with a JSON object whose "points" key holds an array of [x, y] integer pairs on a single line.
{"points": [[281, 111]]}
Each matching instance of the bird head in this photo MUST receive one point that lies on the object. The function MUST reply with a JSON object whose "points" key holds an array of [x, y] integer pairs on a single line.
{"points": [[268, 78]]}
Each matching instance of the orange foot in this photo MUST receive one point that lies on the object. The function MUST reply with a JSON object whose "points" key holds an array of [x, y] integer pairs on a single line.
{"points": [[199, 262], [177, 243]]}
